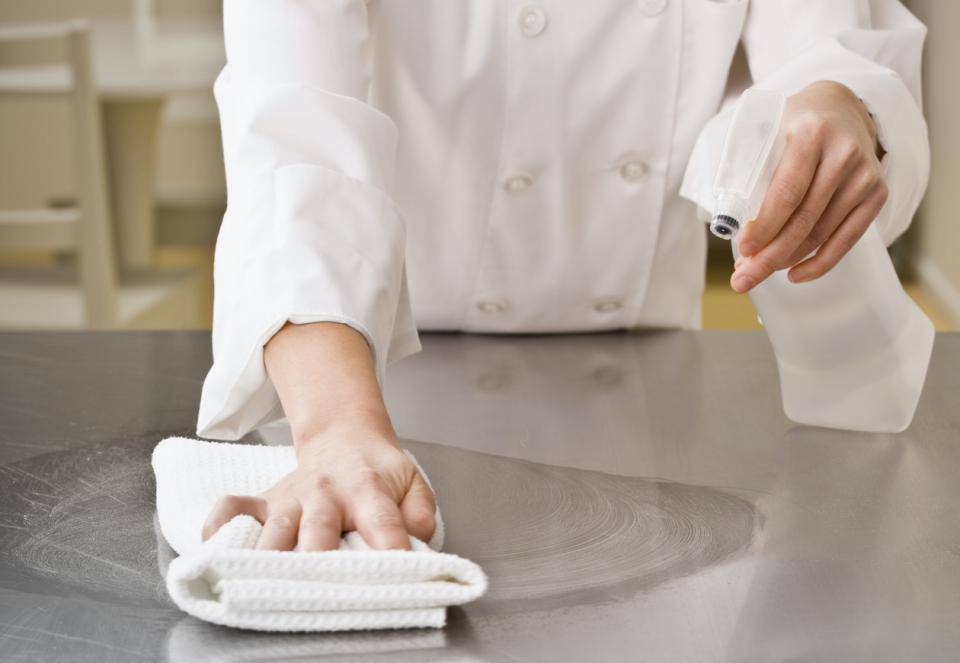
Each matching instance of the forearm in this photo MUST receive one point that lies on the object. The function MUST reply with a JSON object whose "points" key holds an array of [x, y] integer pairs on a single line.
{"points": [[324, 375]]}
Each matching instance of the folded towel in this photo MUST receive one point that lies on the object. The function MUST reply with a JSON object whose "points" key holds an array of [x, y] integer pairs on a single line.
{"points": [[225, 581]]}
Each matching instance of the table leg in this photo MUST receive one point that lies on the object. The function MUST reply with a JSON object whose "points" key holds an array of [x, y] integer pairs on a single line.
{"points": [[130, 131]]}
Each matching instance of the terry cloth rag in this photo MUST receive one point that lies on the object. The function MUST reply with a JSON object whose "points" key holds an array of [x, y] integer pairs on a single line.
{"points": [[226, 581]]}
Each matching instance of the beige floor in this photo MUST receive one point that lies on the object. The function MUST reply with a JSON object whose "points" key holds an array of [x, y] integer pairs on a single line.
{"points": [[722, 308]]}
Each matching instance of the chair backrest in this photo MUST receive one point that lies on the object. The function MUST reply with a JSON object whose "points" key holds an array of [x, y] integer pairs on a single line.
{"points": [[56, 59]]}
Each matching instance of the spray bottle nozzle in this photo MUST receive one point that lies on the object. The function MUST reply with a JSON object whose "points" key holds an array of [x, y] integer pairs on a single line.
{"points": [[724, 226]]}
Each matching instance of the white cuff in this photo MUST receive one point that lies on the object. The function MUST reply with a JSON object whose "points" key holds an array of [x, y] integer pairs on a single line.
{"points": [[336, 254]]}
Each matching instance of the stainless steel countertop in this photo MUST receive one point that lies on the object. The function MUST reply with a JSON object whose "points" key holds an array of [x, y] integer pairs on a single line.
{"points": [[633, 496]]}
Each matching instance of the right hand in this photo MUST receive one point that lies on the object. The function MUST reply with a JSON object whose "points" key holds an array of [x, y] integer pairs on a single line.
{"points": [[344, 481], [827, 189]]}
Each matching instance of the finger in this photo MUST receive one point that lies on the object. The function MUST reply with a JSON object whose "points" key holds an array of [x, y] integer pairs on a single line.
{"points": [[758, 267], [377, 518], [831, 175], [417, 508], [320, 526], [828, 223], [841, 241], [853, 191], [789, 185], [230, 506], [280, 529]]}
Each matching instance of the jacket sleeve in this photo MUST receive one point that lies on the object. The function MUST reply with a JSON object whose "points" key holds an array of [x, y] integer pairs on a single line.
{"points": [[311, 232], [873, 47]]}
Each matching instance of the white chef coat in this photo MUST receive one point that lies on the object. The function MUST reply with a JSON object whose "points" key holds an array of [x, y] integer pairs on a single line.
{"points": [[502, 165]]}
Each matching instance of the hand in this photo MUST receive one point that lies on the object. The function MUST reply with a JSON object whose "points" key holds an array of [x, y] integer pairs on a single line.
{"points": [[344, 481], [826, 190]]}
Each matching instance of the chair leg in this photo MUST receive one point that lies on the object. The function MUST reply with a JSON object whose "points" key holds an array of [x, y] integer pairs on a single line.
{"points": [[95, 256]]}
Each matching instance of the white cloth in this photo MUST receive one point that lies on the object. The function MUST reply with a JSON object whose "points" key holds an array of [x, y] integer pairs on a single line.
{"points": [[519, 165], [225, 581]]}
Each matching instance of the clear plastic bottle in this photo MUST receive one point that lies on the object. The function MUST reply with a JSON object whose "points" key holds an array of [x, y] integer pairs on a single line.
{"points": [[852, 347]]}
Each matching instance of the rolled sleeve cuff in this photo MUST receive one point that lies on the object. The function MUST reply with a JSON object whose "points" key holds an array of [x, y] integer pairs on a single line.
{"points": [[902, 132], [335, 255]]}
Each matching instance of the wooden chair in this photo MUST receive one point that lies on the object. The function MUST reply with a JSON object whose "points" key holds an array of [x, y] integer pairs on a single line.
{"points": [[63, 53]]}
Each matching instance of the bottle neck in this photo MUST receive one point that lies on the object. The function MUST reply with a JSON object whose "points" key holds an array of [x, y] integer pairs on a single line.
{"points": [[731, 205]]}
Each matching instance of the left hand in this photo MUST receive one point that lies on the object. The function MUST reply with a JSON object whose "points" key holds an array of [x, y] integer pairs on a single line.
{"points": [[827, 189]]}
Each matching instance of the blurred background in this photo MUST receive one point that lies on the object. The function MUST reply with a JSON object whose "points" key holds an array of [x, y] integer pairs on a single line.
{"points": [[111, 173]]}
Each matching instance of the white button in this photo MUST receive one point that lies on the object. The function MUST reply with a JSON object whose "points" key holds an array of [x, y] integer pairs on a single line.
{"points": [[607, 305], [532, 21], [491, 307], [633, 171], [518, 182], [652, 7]]}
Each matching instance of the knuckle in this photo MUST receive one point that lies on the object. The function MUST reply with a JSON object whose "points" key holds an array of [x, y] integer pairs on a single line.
{"points": [[818, 127], [323, 482], [870, 179], [883, 192], [397, 463], [385, 519], [367, 478], [280, 521], [789, 191], [810, 125], [848, 150], [803, 220], [422, 519], [799, 122], [321, 521]]}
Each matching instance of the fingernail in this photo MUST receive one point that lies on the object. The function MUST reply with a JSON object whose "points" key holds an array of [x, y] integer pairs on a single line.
{"points": [[748, 248], [796, 278], [737, 263], [742, 282]]}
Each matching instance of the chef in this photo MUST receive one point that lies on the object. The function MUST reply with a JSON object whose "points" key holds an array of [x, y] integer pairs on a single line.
{"points": [[508, 166]]}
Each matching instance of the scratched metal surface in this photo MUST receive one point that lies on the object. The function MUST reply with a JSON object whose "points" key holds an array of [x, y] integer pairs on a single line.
{"points": [[632, 497]]}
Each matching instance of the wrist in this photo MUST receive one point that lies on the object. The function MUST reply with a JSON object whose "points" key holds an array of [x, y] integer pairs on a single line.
{"points": [[349, 429]]}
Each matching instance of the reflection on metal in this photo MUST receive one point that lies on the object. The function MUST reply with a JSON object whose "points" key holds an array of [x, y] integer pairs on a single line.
{"points": [[618, 518], [554, 536]]}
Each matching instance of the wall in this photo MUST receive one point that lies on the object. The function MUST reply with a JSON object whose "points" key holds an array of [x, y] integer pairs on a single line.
{"points": [[58, 10], [938, 261]]}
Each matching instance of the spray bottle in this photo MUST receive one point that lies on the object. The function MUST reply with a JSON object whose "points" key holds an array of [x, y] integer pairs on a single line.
{"points": [[852, 347]]}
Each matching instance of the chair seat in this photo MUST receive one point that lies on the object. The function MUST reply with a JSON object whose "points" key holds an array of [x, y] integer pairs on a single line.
{"points": [[39, 229]]}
